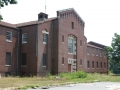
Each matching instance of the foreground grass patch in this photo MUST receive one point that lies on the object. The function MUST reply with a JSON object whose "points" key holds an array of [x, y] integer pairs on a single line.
{"points": [[79, 77]]}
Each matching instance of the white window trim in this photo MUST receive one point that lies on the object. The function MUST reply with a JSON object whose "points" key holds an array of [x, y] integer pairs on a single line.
{"points": [[11, 37], [23, 42]]}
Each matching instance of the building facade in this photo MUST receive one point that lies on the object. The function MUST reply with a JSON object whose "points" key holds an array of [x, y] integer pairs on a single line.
{"points": [[49, 45]]}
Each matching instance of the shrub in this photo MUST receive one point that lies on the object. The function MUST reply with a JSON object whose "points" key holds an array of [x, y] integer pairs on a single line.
{"points": [[80, 74]]}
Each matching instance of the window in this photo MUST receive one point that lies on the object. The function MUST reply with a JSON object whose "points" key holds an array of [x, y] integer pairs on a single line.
{"points": [[93, 51], [72, 25], [104, 65], [88, 50], [100, 64], [92, 64], [7, 74], [80, 42], [8, 58], [100, 53], [62, 60], [23, 58], [88, 64], [9, 36], [80, 61], [105, 53], [24, 38], [96, 64], [44, 59], [96, 52], [70, 45], [44, 38], [62, 38]]}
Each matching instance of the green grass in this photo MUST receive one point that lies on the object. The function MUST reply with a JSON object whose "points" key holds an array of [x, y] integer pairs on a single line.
{"points": [[79, 77]]}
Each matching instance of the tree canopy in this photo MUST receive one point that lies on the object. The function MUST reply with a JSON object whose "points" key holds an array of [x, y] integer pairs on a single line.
{"points": [[6, 2], [114, 54]]}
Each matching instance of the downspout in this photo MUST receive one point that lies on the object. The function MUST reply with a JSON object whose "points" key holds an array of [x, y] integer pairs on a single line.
{"points": [[37, 41], [37, 50], [18, 50]]}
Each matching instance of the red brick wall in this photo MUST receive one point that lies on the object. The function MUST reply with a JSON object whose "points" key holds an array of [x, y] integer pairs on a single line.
{"points": [[96, 59], [30, 49], [8, 47], [65, 30]]}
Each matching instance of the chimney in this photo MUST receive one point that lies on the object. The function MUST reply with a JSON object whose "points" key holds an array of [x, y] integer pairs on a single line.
{"points": [[42, 16]]}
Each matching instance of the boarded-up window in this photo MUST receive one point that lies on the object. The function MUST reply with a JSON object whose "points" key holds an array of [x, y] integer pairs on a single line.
{"points": [[44, 59], [62, 60], [80, 42], [88, 64], [23, 58], [100, 64], [92, 64], [80, 61], [72, 25], [104, 65], [8, 58], [96, 64], [62, 38]]}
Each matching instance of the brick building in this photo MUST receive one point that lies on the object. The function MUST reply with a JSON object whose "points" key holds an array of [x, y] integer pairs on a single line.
{"points": [[49, 44]]}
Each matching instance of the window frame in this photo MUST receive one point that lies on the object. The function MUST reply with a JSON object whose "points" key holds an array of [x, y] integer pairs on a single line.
{"points": [[23, 37], [45, 36], [10, 33], [72, 48]]}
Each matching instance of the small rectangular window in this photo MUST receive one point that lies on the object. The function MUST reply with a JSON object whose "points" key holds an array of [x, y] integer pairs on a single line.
{"points": [[9, 36], [93, 51], [88, 64], [72, 24], [62, 60], [100, 53], [88, 50], [80, 42], [96, 52], [24, 38], [80, 61], [100, 64], [96, 64], [44, 38], [62, 38], [23, 58], [44, 59], [8, 58], [92, 64]]}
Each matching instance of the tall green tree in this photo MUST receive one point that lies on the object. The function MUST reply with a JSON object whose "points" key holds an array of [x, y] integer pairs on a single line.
{"points": [[6, 2], [114, 54]]}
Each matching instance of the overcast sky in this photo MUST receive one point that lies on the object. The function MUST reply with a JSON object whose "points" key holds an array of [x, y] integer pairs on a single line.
{"points": [[102, 17]]}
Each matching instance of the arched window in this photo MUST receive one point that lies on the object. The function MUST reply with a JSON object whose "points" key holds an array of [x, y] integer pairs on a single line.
{"points": [[45, 36], [71, 44]]}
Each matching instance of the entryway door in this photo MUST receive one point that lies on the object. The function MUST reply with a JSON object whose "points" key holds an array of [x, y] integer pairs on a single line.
{"points": [[69, 67]]}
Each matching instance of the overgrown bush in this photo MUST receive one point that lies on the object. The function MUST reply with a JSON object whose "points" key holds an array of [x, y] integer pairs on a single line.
{"points": [[81, 74], [73, 75]]}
